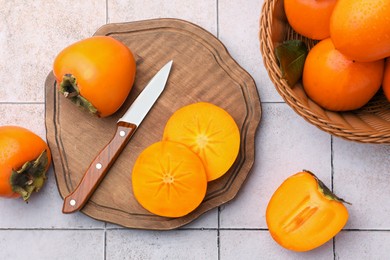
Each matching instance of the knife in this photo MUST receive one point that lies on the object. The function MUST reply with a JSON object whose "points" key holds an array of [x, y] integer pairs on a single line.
{"points": [[126, 126]]}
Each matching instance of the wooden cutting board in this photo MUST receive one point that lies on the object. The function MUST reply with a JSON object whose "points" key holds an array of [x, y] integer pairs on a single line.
{"points": [[202, 70]]}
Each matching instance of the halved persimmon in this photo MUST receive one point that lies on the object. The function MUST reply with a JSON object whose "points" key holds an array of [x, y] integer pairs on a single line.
{"points": [[169, 179], [209, 131], [303, 213]]}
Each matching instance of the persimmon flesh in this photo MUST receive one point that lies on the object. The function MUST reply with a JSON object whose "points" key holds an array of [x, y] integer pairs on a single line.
{"points": [[169, 179], [210, 132], [303, 213]]}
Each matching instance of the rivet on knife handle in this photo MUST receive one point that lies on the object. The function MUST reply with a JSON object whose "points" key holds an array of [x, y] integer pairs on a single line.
{"points": [[98, 168]]}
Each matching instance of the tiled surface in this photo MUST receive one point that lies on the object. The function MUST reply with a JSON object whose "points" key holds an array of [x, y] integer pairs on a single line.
{"points": [[189, 244], [30, 36]]}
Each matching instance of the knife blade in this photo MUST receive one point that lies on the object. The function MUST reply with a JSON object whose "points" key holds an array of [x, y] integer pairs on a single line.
{"points": [[126, 126]]}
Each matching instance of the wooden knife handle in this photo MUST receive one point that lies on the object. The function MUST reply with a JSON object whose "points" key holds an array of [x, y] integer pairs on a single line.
{"points": [[98, 168]]}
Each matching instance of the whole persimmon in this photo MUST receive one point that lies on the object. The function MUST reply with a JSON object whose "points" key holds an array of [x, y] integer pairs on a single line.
{"points": [[24, 161], [386, 80], [360, 29], [310, 18], [96, 73], [336, 83]]}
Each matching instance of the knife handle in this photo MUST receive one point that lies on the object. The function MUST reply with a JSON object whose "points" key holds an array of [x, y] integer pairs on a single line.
{"points": [[98, 168]]}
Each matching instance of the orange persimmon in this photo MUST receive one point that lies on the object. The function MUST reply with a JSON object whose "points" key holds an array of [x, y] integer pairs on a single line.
{"points": [[303, 213], [209, 131], [24, 161], [386, 80], [169, 179], [360, 29], [96, 73], [337, 83], [310, 18]]}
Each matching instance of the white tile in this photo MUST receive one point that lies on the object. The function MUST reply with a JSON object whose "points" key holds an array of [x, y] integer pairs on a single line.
{"points": [[30, 116], [205, 221], [362, 245], [239, 30], [180, 244], [254, 244], [285, 145], [362, 175], [44, 210], [201, 12], [31, 34], [51, 244]]}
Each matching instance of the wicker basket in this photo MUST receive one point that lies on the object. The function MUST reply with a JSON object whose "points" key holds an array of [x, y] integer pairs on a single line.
{"points": [[370, 124]]}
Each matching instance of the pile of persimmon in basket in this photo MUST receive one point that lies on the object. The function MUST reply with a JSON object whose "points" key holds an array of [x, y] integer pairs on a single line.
{"points": [[350, 62]]}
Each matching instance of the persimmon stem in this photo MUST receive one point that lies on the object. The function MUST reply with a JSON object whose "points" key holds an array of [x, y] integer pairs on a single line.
{"points": [[30, 177], [326, 191], [69, 88]]}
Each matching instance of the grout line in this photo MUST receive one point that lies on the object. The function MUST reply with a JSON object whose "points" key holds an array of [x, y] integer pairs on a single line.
{"points": [[105, 242], [51, 229], [331, 162], [217, 11], [218, 231], [43, 102], [332, 189], [107, 19], [23, 103], [180, 229]]}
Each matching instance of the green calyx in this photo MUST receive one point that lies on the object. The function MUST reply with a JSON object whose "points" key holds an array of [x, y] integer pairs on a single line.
{"points": [[30, 177], [69, 88], [325, 190]]}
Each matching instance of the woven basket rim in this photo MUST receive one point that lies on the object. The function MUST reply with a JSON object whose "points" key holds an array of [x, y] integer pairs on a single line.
{"points": [[362, 135]]}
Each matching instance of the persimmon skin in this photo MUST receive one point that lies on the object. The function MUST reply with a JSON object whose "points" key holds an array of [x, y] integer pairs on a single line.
{"points": [[386, 80], [210, 132], [17, 146], [168, 179], [336, 83], [300, 217], [310, 18], [104, 69], [360, 29]]}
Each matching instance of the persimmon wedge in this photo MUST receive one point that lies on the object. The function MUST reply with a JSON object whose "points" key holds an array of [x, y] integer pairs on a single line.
{"points": [[169, 179], [209, 131], [303, 213]]}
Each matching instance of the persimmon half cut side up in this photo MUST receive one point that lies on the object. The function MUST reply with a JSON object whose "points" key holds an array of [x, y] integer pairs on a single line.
{"points": [[210, 132], [169, 179]]}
